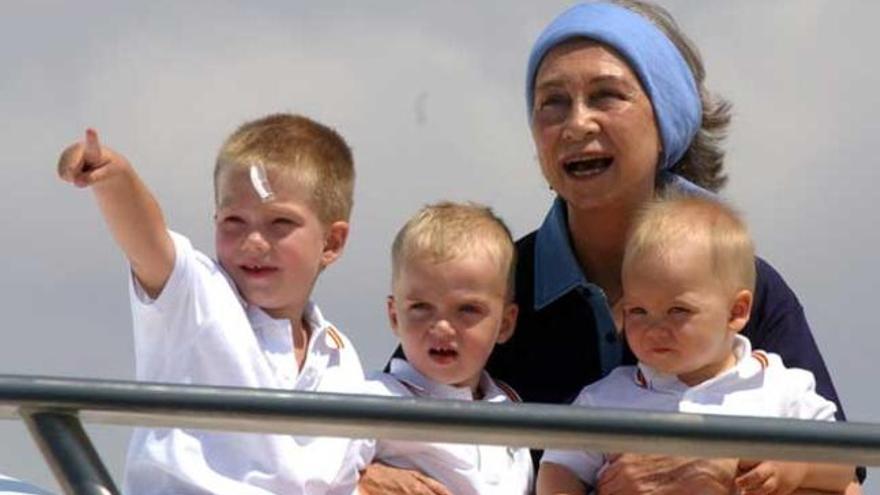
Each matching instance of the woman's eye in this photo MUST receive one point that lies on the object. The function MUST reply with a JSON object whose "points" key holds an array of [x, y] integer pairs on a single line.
{"points": [[551, 109], [607, 96], [552, 101]]}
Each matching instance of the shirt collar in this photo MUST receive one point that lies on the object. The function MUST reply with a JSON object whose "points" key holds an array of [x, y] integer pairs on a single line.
{"points": [[323, 336], [422, 386], [557, 270], [649, 378]]}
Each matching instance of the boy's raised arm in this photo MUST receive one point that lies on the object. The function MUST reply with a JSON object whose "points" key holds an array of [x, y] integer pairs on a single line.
{"points": [[130, 210]]}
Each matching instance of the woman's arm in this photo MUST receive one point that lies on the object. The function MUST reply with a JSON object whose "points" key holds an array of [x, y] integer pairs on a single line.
{"points": [[633, 474], [769, 477]]}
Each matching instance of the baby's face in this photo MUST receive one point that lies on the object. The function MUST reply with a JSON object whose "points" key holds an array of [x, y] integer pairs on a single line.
{"points": [[449, 315], [273, 248], [677, 314]]}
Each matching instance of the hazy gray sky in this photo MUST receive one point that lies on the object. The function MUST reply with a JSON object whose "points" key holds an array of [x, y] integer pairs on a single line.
{"points": [[430, 96]]}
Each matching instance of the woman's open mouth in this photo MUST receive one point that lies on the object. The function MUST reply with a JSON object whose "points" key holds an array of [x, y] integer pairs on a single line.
{"points": [[587, 167]]}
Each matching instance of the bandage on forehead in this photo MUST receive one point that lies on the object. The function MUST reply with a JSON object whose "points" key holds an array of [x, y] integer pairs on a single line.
{"points": [[260, 181]]}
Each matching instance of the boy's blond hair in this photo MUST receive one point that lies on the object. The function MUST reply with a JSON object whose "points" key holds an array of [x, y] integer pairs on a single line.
{"points": [[312, 153], [668, 221], [446, 230]]}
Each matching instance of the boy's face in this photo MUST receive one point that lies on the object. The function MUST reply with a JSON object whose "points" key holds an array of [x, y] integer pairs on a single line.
{"points": [[272, 249], [449, 315], [679, 317]]}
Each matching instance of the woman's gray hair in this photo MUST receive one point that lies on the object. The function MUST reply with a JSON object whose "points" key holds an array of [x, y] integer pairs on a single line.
{"points": [[703, 162]]}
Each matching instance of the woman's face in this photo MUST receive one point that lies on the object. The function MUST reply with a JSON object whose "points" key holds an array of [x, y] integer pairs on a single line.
{"points": [[594, 128]]}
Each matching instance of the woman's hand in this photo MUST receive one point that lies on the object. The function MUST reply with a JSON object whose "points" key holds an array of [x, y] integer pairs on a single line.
{"points": [[379, 479], [665, 475]]}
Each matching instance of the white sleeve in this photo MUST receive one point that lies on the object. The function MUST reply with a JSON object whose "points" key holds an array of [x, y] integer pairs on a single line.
{"points": [[197, 297], [805, 402], [584, 464], [799, 388]]}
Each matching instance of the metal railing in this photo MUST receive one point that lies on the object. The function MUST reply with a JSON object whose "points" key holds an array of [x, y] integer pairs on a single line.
{"points": [[53, 407]]}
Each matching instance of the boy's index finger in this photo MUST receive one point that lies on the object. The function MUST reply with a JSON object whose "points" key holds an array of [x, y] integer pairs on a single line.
{"points": [[92, 151]]}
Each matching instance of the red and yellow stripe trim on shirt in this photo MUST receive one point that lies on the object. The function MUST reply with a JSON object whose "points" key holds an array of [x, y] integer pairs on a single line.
{"points": [[509, 391], [334, 336], [762, 358]]}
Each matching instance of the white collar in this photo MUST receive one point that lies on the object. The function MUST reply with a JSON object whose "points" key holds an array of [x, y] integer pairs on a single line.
{"points": [[422, 386], [747, 364], [322, 332]]}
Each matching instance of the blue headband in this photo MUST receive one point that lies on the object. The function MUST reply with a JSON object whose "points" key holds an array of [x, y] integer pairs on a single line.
{"points": [[663, 72]]}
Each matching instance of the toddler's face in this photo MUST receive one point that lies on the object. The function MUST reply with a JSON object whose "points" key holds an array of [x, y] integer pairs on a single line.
{"points": [[449, 315], [679, 318], [272, 249]]}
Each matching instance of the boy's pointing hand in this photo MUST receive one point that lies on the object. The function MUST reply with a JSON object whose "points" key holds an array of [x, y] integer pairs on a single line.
{"points": [[87, 163]]}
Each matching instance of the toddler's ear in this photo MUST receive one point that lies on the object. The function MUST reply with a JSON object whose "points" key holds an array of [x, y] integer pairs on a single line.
{"points": [[392, 314], [508, 323], [740, 310], [334, 242]]}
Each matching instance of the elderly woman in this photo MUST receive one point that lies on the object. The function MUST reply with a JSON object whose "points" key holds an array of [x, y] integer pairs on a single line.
{"points": [[619, 112]]}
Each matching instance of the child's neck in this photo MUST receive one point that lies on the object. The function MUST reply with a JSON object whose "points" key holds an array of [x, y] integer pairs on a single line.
{"points": [[302, 333], [708, 372]]}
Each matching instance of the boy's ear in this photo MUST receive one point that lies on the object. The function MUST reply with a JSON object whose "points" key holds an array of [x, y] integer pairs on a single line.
{"points": [[508, 323], [740, 310], [392, 314], [334, 242]]}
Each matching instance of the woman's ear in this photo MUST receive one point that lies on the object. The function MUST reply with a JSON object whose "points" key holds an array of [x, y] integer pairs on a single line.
{"points": [[740, 310]]}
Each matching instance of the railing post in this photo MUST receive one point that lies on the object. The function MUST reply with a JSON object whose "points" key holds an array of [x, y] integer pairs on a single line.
{"points": [[69, 452]]}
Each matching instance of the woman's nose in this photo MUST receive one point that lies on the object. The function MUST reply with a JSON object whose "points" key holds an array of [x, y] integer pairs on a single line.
{"points": [[581, 122]]}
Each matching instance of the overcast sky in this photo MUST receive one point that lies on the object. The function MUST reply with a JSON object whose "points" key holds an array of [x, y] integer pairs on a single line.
{"points": [[430, 97]]}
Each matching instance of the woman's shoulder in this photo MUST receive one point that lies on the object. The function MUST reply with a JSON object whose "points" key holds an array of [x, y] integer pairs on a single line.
{"points": [[773, 300], [770, 282]]}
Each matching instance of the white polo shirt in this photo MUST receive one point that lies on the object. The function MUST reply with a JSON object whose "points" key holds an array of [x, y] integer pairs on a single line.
{"points": [[199, 331], [758, 385], [463, 469]]}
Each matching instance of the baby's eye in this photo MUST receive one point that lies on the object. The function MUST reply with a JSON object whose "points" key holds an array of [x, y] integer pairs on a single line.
{"points": [[283, 222], [635, 311], [471, 309], [679, 310], [419, 307]]}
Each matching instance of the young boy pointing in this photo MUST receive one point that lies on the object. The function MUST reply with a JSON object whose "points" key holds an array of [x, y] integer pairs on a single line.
{"points": [[283, 187]]}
